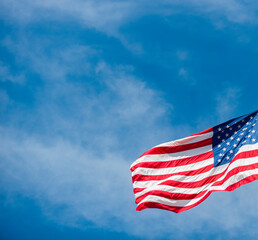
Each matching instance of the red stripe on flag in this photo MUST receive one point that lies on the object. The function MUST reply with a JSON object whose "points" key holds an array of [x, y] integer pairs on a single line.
{"points": [[140, 177], [136, 190], [175, 196], [181, 148], [210, 179], [213, 178], [234, 172], [232, 187], [196, 184], [174, 163], [160, 193]]}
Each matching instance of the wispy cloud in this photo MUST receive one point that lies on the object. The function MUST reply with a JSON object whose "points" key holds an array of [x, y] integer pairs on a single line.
{"points": [[6, 75], [105, 16], [182, 55], [109, 16], [183, 73], [227, 102], [4, 100], [79, 138], [61, 173], [88, 120]]}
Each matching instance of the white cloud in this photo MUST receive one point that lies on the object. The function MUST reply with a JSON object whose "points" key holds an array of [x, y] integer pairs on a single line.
{"points": [[6, 75], [74, 148], [182, 72], [4, 100], [61, 173], [103, 15], [182, 55], [227, 102], [232, 10], [53, 66], [109, 16]]}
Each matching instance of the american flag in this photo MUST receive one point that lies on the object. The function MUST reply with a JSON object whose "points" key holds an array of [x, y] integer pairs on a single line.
{"points": [[179, 175]]}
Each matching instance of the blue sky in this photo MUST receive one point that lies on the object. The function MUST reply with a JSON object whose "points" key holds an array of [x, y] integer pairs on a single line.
{"points": [[87, 86]]}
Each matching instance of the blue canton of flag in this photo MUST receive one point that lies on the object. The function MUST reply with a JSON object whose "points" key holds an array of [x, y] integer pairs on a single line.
{"points": [[230, 136]]}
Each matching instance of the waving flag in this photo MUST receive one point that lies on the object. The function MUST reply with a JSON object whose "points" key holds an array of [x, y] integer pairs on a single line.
{"points": [[179, 175]]}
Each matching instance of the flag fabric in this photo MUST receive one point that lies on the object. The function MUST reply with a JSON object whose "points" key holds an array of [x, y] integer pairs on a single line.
{"points": [[179, 175]]}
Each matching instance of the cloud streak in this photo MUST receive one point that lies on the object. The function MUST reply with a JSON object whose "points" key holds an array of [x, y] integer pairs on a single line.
{"points": [[87, 120], [6, 75], [227, 102], [109, 16], [74, 146]]}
